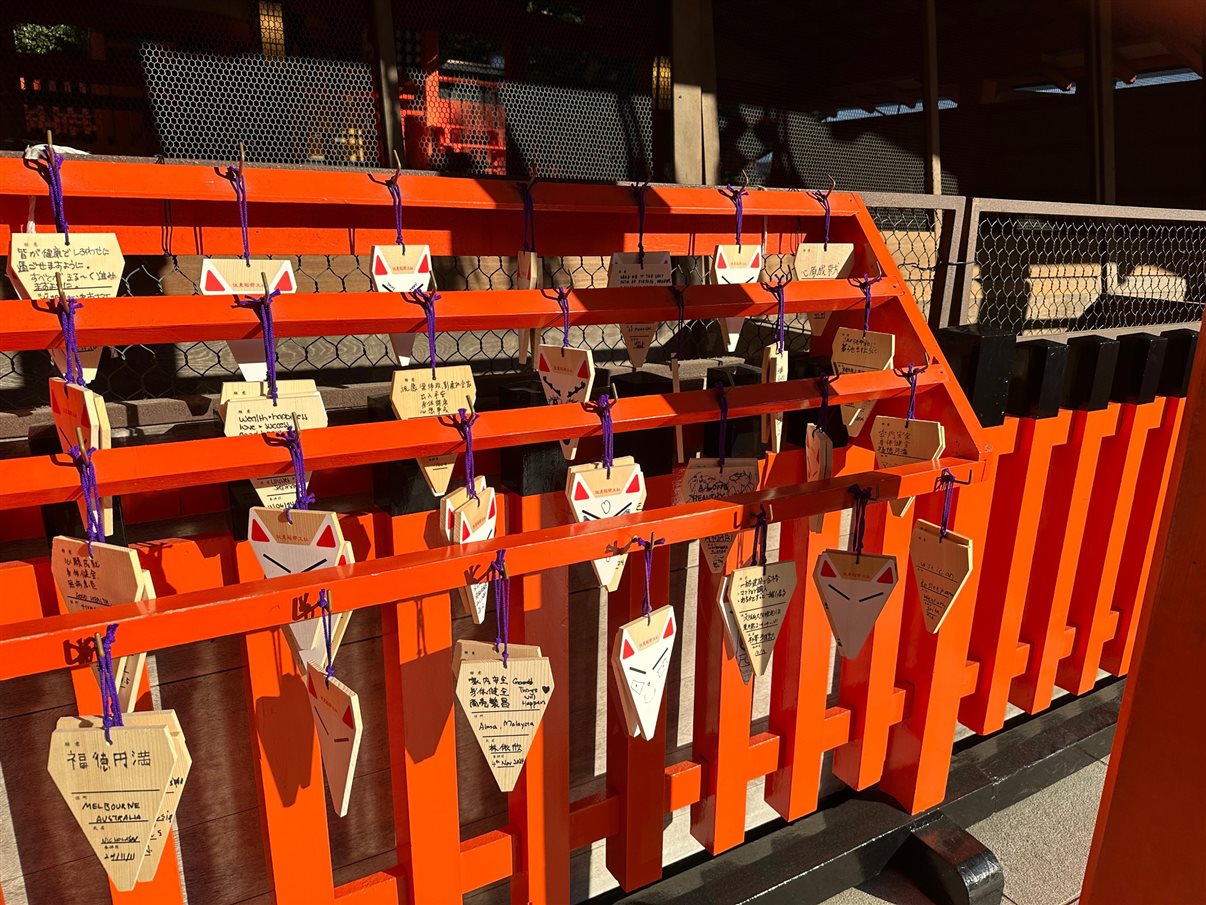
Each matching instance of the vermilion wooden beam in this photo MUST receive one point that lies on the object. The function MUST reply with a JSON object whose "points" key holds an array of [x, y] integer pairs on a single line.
{"points": [[188, 318], [169, 466]]}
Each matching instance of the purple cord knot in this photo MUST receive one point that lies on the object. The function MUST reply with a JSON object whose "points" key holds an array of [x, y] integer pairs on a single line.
{"points": [[858, 524], [602, 407], [291, 439], [54, 181], [639, 190], [736, 196], [864, 284], [823, 198], [722, 400], [502, 603], [395, 195], [777, 289], [262, 306], [463, 422], [947, 482], [65, 309], [910, 374], [529, 213], [561, 297], [110, 701], [761, 537], [681, 305], [94, 514], [426, 301], [647, 546], [235, 175]]}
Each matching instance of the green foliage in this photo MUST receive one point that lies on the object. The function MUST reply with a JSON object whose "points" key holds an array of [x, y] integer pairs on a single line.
{"points": [[32, 38]]}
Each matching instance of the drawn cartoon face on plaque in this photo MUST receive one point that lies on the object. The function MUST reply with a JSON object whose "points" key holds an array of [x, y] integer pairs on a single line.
{"points": [[736, 264], [454, 500], [234, 276], [336, 712], [566, 375], [645, 647], [475, 520], [401, 269], [854, 590], [593, 495], [312, 542]]}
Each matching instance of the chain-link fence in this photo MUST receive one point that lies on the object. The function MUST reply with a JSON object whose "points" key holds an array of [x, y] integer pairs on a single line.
{"points": [[1048, 268]]}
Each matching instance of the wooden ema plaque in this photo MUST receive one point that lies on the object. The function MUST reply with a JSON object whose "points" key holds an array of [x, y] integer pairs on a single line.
{"points": [[115, 791], [856, 351], [454, 500], [818, 261], [475, 520], [527, 276], [397, 268], [306, 636], [234, 276], [774, 370], [336, 712], [640, 659], [854, 590], [735, 264], [626, 269], [566, 376], [467, 651], [897, 441], [74, 407], [941, 566], [503, 704], [732, 635], [703, 479], [415, 393], [90, 267], [593, 494], [758, 597], [818, 465]]}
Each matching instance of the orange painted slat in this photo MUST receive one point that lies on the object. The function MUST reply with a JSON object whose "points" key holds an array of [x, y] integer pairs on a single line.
{"points": [[540, 806], [486, 859], [1102, 548], [1025, 446], [380, 888], [684, 785], [1057, 550], [593, 818], [763, 755], [934, 666], [1151, 491]]}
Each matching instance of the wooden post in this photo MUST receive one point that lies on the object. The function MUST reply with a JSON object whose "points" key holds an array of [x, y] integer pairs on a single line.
{"points": [[1101, 97], [929, 104], [693, 72], [387, 81]]}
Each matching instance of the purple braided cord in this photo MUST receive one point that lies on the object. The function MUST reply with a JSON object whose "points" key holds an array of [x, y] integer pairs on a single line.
{"points": [[110, 701], [529, 214], [239, 184], [94, 515], [858, 524], [65, 308], [639, 190], [910, 374], [426, 301], [823, 199], [54, 180], [262, 306], [395, 194], [778, 291], [324, 607], [291, 437], [502, 603], [561, 296], [865, 285], [647, 546], [736, 196], [722, 399], [947, 482], [603, 409], [464, 425]]}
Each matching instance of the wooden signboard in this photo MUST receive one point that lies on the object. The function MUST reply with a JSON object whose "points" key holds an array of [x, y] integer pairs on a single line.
{"points": [[736, 264], [941, 566], [818, 464], [417, 394], [732, 635], [898, 441], [856, 351], [234, 276], [626, 269], [703, 479], [854, 590], [91, 267], [759, 596], [397, 268], [336, 711], [774, 370], [527, 276], [593, 494], [504, 704], [115, 791], [566, 376], [640, 659], [475, 520]]}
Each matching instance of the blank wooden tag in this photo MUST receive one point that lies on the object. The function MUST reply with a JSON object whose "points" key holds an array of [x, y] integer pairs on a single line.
{"points": [[307, 636], [171, 800], [774, 370], [234, 276], [941, 566], [900, 442], [735, 264], [527, 276], [816, 261], [854, 590], [311, 542], [759, 596], [454, 500], [732, 635], [504, 706], [566, 375], [415, 393], [702, 480], [818, 464], [336, 711], [626, 268], [475, 520], [641, 660], [115, 791], [397, 268], [595, 495], [465, 650]]}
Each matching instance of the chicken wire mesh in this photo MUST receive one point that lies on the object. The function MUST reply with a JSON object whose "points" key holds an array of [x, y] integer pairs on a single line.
{"points": [[1051, 273]]}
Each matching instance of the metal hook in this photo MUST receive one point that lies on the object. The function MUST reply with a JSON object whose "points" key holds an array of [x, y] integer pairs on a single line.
{"points": [[241, 160], [469, 405], [615, 397], [49, 147], [79, 438], [58, 279], [267, 291], [397, 165]]}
